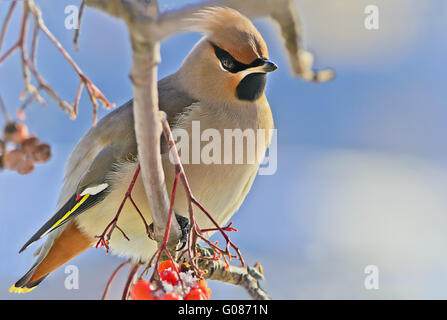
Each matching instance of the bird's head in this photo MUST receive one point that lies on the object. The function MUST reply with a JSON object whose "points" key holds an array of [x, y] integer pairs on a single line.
{"points": [[230, 62]]}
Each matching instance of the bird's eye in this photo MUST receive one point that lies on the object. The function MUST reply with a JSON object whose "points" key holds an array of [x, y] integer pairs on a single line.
{"points": [[227, 63], [226, 60]]}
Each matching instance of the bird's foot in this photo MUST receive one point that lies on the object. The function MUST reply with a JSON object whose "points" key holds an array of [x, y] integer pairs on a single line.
{"points": [[184, 227]]}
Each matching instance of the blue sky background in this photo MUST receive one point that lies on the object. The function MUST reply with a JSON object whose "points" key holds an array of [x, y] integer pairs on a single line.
{"points": [[362, 169]]}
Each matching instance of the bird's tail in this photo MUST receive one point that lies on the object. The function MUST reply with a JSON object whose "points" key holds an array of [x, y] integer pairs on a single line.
{"points": [[24, 285], [61, 246]]}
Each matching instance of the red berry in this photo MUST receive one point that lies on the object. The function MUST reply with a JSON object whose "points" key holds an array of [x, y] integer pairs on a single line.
{"points": [[166, 265], [169, 276], [141, 291], [172, 296], [196, 294]]}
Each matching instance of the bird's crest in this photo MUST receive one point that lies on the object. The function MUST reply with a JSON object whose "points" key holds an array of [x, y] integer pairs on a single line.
{"points": [[232, 31]]}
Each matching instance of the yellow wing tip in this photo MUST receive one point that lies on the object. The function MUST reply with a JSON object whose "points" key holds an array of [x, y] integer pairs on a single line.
{"points": [[14, 289]]}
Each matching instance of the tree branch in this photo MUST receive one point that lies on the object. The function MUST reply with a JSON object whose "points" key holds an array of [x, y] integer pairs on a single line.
{"points": [[281, 11], [245, 277], [147, 28], [139, 17], [29, 8]]}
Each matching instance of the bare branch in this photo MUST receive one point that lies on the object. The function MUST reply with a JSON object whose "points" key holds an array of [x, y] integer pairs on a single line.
{"points": [[112, 277], [104, 238], [139, 17], [147, 28], [281, 11], [6, 23], [130, 279], [245, 277], [4, 111], [29, 63], [78, 30]]}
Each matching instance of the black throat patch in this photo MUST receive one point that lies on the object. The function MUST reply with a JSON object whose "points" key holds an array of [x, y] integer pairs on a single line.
{"points": [[251, 87]]}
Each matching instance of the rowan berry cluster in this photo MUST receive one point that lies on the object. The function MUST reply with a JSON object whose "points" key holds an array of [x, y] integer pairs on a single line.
{"points": [[176, 283], [26, 150]]}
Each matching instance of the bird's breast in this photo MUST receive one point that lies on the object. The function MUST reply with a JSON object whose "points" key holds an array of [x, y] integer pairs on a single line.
{"points": [[221, 149], [220, 187]]}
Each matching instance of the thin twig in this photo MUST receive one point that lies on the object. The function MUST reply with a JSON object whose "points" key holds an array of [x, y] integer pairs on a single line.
{"points": [[146, 225], [77, 32], [29, 63], [195, 231], [94, 93], [10, 51], [130, 280], [164, 245], [34, 42], [112, 277], [4, 111], [104, 238], [6, 22], [21, 110], [77, 99], [64, 105], [23, 52]]}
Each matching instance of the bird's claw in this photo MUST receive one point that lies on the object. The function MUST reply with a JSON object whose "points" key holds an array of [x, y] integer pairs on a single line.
{"points": [[184, 226]]}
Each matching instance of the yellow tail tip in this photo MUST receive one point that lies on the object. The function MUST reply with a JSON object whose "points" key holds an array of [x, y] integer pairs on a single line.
{"points": [[14, 289]]}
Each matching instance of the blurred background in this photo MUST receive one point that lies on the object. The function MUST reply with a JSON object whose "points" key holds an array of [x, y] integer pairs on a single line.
{"points": [[362, 161]]}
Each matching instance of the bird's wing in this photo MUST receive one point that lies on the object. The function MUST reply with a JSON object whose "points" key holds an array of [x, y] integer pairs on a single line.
{"points": [[172, 99], [112, 129], [118, 126], [110, 143], [93, 188]]}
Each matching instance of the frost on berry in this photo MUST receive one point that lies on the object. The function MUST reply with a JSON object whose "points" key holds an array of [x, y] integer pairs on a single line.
{"points": [[171, 287]]}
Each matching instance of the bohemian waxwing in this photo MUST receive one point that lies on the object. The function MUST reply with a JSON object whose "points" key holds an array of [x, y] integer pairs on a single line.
{"points": [[219, 86]]}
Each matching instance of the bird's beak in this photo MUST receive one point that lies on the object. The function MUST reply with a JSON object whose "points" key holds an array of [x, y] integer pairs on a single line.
{"points": [[269, 66]]}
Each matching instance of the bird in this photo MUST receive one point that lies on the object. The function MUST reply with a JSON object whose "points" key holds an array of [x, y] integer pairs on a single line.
{"points": [[220, 85]]}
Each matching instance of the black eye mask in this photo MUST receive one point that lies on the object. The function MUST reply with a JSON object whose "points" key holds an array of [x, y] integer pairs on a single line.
{"points": [[231, 64]]}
